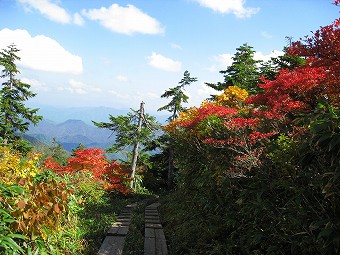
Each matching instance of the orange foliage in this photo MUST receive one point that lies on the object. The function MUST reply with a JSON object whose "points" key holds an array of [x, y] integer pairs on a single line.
{"points": [[44, 206]]}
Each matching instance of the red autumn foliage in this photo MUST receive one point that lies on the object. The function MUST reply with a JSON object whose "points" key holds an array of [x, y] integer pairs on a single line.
{"points": [[208, 110], [239, 122], [322, 49], [293, 91], [50, 163], [112, 174], [91, 159], [116, 175], [297, 91]]}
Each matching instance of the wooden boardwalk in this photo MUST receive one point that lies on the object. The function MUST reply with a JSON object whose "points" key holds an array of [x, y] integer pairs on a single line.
{"points": [[113, 243], [154, 239]]}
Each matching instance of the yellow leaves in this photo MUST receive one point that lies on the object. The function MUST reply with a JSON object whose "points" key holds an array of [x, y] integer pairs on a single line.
{"points": [[186, 116], [8, 159], [13, 164], [232, 96]]}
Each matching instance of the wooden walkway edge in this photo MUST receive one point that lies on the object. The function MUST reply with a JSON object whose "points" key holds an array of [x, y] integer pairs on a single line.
{"points": [[154, 239], [113, 243]]}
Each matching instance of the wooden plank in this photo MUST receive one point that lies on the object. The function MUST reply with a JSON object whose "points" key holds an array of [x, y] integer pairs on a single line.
{"points": [[153, 225], [151, 214], [159, 233], [112, 245], [150, 232], [123, 230], [119, 219], [161, 247], [149, 246], [152, 222], [152, 217], [113, 230], [154, 242]]}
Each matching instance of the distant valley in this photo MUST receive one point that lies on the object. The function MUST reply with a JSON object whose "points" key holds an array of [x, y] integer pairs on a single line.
{"points": [[73, 126]]}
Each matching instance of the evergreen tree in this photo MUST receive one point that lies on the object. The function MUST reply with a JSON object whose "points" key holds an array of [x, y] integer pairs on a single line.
{"points": [[270, 68], [244, 71], [175, 106], [136, 129], [177, 96], [15, 117]]}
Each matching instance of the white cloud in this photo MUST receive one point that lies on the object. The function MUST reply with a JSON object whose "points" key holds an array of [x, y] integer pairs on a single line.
{"points": [[205, 91], [51, 10], [81, 88], [125, 20], [78, 19], [119, 95], [273, 54], [41, 52], [35, 84], [175, 46], [235, 7], [122, 78], [167, 64], [223, 61], [198, 94], [77, 87], [146, 96]]}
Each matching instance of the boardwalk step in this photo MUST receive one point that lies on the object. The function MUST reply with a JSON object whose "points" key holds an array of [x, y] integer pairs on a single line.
{"points": [[113, 243], [154, 239]]}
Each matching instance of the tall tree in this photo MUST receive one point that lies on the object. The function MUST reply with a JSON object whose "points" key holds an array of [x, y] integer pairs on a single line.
{"points": [[136, 129], [243, 72], [15, 117], [178, 97]]}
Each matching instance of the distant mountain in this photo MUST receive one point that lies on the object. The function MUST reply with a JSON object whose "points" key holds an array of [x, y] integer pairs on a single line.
{"points": [[71, 133], [72, 126], [86, 114]]}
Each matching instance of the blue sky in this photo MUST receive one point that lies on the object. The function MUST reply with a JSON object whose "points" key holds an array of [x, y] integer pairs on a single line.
{"points": [[111, 53]]}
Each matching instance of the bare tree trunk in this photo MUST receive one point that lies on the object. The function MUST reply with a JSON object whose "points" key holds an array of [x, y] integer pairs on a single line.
{"points": [[135, 147]]}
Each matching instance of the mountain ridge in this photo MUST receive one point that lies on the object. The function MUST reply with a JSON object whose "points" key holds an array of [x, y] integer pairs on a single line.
{"points": [[71, 133], [71, 126]]}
